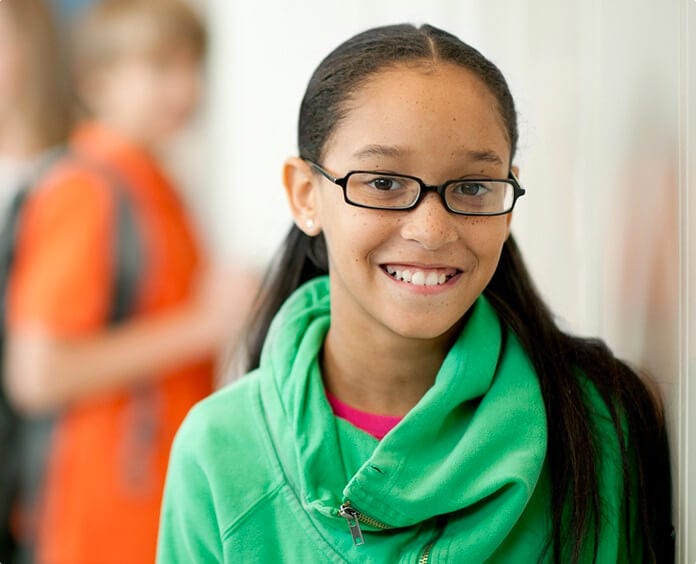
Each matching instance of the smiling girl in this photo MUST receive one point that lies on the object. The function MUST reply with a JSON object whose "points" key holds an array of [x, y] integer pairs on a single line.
{"points": [[410, 397]]}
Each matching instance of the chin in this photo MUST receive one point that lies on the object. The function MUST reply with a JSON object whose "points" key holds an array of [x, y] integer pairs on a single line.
{"points": [[165, 130], [418, 330], [428, 323]]}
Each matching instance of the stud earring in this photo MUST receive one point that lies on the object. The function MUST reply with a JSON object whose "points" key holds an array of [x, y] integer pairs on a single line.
{"points": [[310, 223]]}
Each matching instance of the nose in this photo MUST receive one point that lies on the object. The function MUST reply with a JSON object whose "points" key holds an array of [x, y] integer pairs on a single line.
{"points": [[430, 224]]}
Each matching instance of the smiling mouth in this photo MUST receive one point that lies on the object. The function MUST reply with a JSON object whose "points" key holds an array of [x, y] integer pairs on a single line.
{"points": [[420, 276]]}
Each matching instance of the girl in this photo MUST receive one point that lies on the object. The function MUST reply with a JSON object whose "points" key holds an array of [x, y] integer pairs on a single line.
{"points": [[413, 399]]}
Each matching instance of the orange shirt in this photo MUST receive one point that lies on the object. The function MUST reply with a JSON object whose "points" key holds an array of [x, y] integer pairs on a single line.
{"points": [[109, 455]]}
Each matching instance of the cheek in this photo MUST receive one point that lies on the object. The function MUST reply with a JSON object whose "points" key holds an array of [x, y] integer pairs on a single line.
{"points": [[147, 89], [177, 87], [482, 241], [132, 87], [185, 88], [485, 238], [353, 234]]}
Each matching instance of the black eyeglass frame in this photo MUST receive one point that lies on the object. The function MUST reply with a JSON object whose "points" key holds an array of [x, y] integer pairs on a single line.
{"points": [[518, 191]]}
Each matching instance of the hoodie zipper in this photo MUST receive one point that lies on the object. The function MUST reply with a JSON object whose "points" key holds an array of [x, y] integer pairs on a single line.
{"points": [[440, 525], [353, 517], [425, 557]]}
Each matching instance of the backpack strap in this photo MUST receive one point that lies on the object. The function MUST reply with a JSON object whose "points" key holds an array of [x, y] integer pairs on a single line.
{"points": [[128, 257], [142, 417], [8, 243], [128, 252], [9, 421]]}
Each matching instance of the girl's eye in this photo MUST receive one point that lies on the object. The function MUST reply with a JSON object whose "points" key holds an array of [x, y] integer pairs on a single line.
{"points": [[471, 189], [385, 183]]}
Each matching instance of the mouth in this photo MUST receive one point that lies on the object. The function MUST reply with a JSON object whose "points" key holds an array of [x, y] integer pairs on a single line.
{"points": [[420, 275]]}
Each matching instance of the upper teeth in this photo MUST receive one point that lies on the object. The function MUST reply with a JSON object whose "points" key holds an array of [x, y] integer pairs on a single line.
{"points": [[418, 277]]}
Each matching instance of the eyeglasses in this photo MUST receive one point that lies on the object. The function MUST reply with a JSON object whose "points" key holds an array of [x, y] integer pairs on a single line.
{"points": [[386, 191]]}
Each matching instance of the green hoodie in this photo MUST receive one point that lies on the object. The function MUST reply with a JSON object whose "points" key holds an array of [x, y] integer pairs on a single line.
{"points": [[259, 471]]}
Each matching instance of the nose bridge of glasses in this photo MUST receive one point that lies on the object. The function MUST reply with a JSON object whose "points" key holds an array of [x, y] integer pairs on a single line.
{"points": [[426, 189]]}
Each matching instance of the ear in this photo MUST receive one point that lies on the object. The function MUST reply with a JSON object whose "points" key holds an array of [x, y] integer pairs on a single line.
{"points": [[301, 185]]}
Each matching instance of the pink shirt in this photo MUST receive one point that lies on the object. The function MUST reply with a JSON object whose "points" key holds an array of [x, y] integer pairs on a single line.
{"points": [[375, 425]]}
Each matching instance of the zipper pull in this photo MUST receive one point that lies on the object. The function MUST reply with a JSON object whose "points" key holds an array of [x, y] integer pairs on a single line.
{"points": [[351, 517]]}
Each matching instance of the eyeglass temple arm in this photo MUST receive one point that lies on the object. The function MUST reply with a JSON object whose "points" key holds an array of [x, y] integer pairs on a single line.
{"points": [[320, 170], [513, 176]]}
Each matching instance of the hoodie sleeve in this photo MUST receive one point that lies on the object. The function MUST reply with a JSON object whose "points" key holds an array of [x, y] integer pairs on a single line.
{"points": [[189, 530]]}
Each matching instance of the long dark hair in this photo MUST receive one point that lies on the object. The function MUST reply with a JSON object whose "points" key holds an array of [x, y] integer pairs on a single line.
{"points": [[558, 358]]}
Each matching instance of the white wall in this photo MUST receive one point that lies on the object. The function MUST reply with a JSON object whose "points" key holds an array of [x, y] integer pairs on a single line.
{"points": [[606, 95]]}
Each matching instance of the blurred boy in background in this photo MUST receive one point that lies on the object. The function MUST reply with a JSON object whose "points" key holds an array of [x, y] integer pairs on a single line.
{"points": [[121, 390]]}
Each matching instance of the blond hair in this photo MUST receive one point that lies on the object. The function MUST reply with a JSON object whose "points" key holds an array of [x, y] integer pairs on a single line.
{"points": [[112, 29], [46, 104]]}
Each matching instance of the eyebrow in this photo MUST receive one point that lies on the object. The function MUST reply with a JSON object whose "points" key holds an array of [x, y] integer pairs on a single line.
{"points": [[391, 151], [394, 151], [485, 155]]}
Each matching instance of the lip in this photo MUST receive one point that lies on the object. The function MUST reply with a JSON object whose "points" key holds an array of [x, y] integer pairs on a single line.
{"points": [[423, 290]]}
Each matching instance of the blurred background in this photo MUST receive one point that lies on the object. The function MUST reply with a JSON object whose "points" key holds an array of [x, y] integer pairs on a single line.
{"points": [[606, 94]]}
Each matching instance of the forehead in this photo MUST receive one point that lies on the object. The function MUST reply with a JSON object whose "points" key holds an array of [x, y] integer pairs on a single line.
{"points": [[429, 108]]}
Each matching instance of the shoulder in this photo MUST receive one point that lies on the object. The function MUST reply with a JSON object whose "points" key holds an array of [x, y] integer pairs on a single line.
{"points": [[70, 177], [70, 195], [62, 250], [224, 416], [224, 438]]}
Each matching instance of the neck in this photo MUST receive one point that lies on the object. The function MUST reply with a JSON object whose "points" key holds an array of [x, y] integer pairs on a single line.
{"points": [[17, 140], [380, 372]]}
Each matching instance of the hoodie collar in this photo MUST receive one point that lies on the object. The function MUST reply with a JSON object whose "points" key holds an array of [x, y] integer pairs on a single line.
{"points": [[475, 443]]}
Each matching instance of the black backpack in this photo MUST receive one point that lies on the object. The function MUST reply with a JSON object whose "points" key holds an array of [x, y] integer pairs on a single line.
{"points": [[24, 443]]}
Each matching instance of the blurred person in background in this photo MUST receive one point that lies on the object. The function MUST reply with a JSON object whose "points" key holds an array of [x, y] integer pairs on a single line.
{"points": [[34, 96], [35, 118], [120, 364]]}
